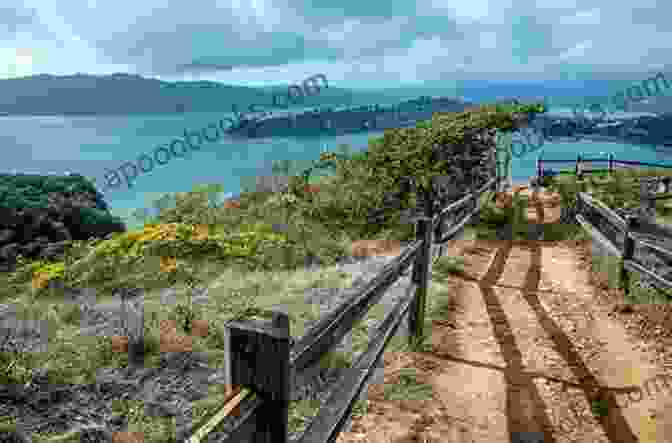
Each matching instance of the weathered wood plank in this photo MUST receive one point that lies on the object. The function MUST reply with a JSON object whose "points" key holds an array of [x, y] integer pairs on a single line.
{"points": [[573, 161], [666, 253], [456, 206], [333, 415], [464, 201], [416, 319], [636, 163], [260, 360], [645, 227], [331, 328], [597, 236], [603, 210], [456, 229], [632, 265]]}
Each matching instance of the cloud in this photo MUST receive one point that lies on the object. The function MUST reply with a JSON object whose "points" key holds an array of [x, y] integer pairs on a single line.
{"points": [[203, 67], [15, 18], [354, 43]]}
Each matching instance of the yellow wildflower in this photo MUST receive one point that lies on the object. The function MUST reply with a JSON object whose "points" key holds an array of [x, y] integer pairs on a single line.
{"points": [[168, 264], [40, 280], [201, 232], [133, 236]]}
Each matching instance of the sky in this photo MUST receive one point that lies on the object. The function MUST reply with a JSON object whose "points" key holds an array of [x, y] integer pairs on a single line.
{"points": [[355, 44]]}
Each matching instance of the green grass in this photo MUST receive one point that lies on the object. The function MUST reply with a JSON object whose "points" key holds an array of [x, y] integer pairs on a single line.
{"points": [[408, 387], [448, 265], [599, 408]]}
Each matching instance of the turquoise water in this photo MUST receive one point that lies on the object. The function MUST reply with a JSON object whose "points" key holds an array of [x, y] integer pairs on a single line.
{"points": [[93, 145]]}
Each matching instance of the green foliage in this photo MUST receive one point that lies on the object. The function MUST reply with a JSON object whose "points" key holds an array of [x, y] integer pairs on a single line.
{"points": [[140, 250], [192, 207], [448, 265], [92, 216], [408, 388], [334, 360], [517, 213], [408, 152], [7, 423], [492, 217], [421, 344], [31, 191], [599, 407]]}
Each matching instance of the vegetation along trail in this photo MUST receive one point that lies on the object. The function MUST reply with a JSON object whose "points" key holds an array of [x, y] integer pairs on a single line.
{"points": [[522, 341]]}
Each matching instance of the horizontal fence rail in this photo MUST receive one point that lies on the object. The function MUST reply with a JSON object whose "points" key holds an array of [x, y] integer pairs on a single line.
{"points": [[265, 365], [579, 164], [333, 415], [638, 232], [331, 328]]}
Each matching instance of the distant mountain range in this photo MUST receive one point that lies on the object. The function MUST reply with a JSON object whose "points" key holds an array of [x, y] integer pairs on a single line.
{"points": [[83, 94]]}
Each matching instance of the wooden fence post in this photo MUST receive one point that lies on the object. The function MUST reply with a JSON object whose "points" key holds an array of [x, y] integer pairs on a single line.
{"points": [[133, 314], [628, 252], [416, 318], [577, 171], [260, 360], [438, 233], [611, 163], [477, 206], [647, 202]]}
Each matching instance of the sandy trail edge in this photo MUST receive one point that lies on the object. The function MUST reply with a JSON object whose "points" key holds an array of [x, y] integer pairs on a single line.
{"points": [[525, 346]]}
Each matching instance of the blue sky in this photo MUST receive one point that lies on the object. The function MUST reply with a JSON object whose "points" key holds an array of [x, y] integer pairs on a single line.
{"points": [[356, 44]]}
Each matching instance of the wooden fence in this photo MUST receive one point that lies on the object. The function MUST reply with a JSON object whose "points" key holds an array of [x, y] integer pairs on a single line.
{"points": [[632, 237], [580, 165], [264, 362]]}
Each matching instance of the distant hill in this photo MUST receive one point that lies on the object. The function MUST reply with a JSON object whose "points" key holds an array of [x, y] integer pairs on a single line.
{"points": [[84, 94], [133, 94], [658, 105]]}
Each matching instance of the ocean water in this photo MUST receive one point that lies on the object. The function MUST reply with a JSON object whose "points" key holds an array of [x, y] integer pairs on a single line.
{"points": [[92, 146]]}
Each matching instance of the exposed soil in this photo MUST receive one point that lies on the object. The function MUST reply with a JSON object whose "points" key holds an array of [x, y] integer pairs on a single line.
{"points": [[530, 340]]}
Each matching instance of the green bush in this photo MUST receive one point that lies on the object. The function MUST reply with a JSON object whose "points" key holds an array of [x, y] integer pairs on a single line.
{"points": [[92, 216], [30, 191]]}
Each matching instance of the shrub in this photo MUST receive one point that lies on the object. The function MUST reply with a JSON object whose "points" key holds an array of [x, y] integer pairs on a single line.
{"points": [[18, 191], [448, 265]]}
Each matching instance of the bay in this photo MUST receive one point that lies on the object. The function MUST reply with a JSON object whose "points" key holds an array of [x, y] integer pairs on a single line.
{"points": [[92, 145]]}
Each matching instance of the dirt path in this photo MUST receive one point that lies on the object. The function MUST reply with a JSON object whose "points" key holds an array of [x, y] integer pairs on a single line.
{"points": [[526, 346]]}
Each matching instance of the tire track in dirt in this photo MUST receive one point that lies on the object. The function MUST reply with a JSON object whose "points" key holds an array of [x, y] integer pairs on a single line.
{"points": [[522, 347]]}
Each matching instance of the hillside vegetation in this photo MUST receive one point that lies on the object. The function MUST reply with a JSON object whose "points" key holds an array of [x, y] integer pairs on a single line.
{"points": [[250, 254]]}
